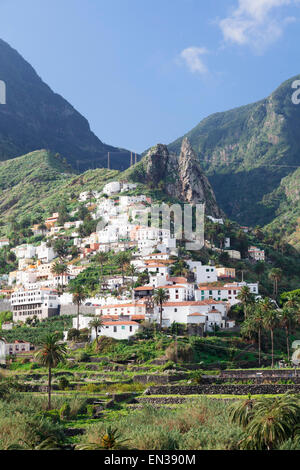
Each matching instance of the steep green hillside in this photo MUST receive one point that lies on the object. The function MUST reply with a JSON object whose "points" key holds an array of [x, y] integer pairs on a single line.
{"points": [[35, 117], [287, 197], [35, 184], [247, 151]]}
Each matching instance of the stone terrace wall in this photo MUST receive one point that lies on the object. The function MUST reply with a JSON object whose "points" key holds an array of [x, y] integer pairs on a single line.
{"points": [[5, 305], [72, 309], [222, 389], [266, 373]]}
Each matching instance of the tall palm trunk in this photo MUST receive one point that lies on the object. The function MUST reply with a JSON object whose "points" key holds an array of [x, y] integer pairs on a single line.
{"points": [[272, 342], [259, 346], [287, 341], [78, 316], [160, 315], [49, 388]]}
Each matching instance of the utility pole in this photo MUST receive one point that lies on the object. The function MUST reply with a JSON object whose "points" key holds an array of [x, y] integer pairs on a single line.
{"points": [[131, 160], [135, 159], [108, 161]]}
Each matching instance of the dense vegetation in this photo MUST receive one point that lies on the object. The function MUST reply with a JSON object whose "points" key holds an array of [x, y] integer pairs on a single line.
{"points": [[247, 151]]}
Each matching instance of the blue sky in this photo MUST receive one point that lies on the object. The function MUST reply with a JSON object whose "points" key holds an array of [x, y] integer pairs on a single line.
{"points": [[147, 71]]}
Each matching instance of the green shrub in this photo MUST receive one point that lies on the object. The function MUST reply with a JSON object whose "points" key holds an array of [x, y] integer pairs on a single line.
{"points": [[53, 415], [84, 357], [63, 383], [65, 412]]}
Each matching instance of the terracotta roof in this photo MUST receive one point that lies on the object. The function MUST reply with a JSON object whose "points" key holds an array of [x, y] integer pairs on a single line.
{"points": [[119, 322], [122, 305], [232, 287], [137, 317], [193, 303], [173, 286], [196, 314], [179, 280], [144, 288]]}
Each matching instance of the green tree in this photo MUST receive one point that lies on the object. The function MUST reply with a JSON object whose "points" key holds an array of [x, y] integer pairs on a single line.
{"points": [[246, 298], [79, 295], [267, 422], [160, 297], [275, 275], [97, 323], [287, 319], [50, 354], [101, 258], [271, 322]]}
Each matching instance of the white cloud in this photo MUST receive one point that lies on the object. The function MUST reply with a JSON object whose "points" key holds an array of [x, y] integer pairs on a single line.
{"points": [[255, 23], [192, 58]]}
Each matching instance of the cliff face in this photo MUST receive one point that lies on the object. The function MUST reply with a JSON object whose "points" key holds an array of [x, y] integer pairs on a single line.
{"points": [[181, 177], [247, 151], [35, 117]]}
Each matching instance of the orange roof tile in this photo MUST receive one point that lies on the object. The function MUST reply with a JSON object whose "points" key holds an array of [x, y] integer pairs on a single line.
{"points": [[117, 322]]}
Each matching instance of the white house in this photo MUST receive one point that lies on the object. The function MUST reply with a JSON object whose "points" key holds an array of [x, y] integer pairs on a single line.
{"points": [[24, 251], [128, 187], [203, 273], [227, 292], [124, 308], [179, 311], [126, 201], [119, 329], [256, 253], [4, 242], [215, 221], [42, 303], [112, 188], [2, 352], [45, 253]]}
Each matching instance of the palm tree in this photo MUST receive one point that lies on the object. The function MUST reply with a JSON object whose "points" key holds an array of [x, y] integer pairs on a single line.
{"points": [[123, 259], [287, 320], [252, 328], [111, 440], [246, 298], [131, 271], [50, 354], [97, 323], [275, 275], [79, 296], [258, 320], [101, 258], [267, 422], [43, 228], [59, 269], [271, 322], [160, 297]]}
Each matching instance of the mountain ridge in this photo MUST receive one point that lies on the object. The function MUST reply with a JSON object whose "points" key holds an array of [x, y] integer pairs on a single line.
{"points": [[240, 148], [35, 117]]}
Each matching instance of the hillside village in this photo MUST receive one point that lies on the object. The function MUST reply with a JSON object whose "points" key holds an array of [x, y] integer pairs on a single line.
{"points": [[201, 297], [149, 302]]}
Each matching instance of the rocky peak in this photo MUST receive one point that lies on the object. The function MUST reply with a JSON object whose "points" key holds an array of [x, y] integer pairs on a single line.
{"points": [[156, 162], [194, 184], [182, 176]]}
